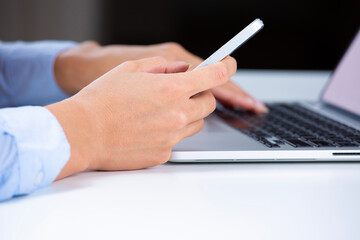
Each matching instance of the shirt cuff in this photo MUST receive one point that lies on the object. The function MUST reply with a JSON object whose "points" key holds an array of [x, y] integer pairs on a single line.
{"points": [[29, 70], [42, 147]]}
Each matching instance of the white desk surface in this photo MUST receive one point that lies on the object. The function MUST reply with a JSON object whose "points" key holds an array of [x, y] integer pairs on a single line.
{"points": [[201, 201]]}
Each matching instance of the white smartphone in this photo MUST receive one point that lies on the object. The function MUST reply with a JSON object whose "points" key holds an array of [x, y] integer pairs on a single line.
{"points": [[233, 43]]}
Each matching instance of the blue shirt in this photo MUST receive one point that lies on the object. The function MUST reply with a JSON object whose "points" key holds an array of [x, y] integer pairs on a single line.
{"points": [[33, 146]]}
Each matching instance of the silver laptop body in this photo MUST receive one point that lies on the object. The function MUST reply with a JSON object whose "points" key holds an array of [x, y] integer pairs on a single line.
{"points": [[220, 141]]}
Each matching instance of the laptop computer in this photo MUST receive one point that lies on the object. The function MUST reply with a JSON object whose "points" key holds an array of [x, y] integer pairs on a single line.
{"points": [[328, 130]]}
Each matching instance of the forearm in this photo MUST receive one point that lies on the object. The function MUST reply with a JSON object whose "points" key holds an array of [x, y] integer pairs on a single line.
{"points": [[27, 76]]}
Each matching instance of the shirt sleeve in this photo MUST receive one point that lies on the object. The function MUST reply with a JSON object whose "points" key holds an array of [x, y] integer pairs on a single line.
{"points": [[34, 149], [26, 73]]}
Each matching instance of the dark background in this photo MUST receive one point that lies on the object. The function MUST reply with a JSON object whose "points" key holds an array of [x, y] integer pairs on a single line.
{"points": [[297, 34], [307, 34]]}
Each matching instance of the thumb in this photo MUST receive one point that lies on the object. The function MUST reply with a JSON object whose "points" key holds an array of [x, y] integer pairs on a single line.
{"points": [[154, 65]]}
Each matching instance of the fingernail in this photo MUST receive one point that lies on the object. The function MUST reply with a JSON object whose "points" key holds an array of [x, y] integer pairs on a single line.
{"points": [[191, 66], [182, 63], [261, 107], [250, 101]]}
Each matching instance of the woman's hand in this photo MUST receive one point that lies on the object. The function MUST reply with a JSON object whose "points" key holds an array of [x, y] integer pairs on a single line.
{"points": [[132, 116], [76, 67]]}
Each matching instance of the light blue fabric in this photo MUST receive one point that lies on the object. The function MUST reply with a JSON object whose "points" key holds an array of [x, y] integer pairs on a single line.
{"points": [[26, 73], [34, 149], [33, 146]]}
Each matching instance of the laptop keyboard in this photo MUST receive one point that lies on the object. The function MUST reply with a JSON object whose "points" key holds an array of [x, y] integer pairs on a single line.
{"points": [[291, 124]]}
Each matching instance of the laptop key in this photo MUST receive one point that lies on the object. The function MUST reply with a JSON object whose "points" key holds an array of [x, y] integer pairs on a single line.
{"points": [[296, 143], [321, 143], [268, 143]]}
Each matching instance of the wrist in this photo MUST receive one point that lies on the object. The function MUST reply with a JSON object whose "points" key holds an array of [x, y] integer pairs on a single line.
{"points": [[78, 129], [76, 67], [63, 72]]}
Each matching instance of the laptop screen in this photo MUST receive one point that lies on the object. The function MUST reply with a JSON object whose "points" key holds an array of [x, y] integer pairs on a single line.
{"points": [[343, 91]]}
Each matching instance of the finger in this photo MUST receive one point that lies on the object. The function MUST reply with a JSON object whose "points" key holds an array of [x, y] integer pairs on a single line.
{"points": [[207, 77], [177, 52], [175, 67], [200, 106], [154, 65], [191, 129], [192, 59], [233, 95]]}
